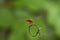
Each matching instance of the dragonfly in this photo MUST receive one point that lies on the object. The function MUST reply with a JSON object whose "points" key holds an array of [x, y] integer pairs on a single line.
{"points": [[32, 24]]}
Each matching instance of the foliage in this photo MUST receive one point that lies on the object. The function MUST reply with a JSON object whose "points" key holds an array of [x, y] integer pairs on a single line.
{"points": [[15, 15]]}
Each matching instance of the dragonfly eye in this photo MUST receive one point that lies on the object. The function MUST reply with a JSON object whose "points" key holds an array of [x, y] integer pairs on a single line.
{"points": [[30, 20]]}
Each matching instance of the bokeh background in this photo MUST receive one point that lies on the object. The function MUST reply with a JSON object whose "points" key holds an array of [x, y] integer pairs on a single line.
{"points": [[45, 13]]}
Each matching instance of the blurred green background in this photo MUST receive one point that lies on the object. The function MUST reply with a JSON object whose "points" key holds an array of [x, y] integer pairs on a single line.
{"points": [[45, 13]]}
